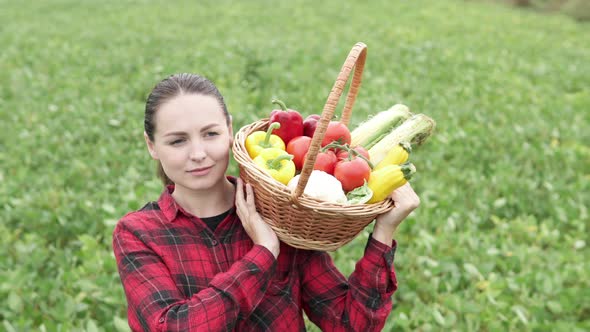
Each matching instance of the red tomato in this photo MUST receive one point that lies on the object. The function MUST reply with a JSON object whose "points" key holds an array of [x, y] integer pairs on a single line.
{"points": [[326, 161], [336, 131], [298, 147], [343, 154], [352, 173]]}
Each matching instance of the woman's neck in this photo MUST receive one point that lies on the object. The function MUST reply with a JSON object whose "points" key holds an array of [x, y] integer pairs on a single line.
{"points": [[207, 203]]}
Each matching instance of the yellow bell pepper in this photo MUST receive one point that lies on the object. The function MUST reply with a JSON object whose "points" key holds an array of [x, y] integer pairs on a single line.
{"points": [[260, 140], [276, 162], [385, 180]]}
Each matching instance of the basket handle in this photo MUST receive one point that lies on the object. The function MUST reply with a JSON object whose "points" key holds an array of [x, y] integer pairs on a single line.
{"points": [[356, 58]]}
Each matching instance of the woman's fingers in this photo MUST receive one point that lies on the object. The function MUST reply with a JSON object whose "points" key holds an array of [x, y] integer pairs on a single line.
{"points": [[240, 202], [239, 189], [406, 197], [245, 203], [406, 201], [255, 227], [250, 198]]}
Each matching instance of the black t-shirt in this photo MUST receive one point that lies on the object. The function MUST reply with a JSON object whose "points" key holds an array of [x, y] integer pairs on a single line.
{"points": [[213, 222]]}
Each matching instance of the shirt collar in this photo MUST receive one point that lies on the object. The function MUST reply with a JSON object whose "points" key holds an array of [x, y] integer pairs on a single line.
{"points": [[168, 204]]}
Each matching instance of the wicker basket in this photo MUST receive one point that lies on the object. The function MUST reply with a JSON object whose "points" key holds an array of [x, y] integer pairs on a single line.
{"points": [[297, 219]]}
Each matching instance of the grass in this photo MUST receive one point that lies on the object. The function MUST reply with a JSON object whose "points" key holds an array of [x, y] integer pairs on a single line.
{"points": [[577, 9], [500, 242]]}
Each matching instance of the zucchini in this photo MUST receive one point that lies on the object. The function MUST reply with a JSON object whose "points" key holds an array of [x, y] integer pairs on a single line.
{"points": [[415, 130]]}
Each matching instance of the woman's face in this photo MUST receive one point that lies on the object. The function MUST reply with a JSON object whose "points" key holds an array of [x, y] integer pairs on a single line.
{"points": [[192, 141]]}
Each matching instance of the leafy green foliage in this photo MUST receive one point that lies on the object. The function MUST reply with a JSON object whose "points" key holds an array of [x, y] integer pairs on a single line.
{"points": [[500, 241]]}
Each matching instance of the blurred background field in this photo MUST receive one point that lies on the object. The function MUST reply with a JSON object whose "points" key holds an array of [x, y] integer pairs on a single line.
{"points": [[577, 9], [500, 242]]}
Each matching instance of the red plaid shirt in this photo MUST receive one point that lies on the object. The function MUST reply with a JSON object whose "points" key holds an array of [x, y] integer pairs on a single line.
{"points": [[178, 275]]}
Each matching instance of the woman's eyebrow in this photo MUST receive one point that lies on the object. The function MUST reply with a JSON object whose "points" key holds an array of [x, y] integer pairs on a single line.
{"points": [[209, 126], [174, 133]]}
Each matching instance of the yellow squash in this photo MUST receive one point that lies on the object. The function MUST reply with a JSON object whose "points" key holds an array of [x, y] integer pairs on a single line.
{"points": [[396, 156], [385, 180]]}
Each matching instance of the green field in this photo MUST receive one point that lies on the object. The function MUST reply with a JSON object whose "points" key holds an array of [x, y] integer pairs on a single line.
{"points": [[500, 242]]}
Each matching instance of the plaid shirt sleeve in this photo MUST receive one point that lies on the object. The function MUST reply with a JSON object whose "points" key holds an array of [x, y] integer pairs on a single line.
{"points": [[360, 304], [156, 304]]}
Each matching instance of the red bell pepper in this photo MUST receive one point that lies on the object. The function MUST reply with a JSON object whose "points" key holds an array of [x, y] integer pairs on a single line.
{"points": [[291, 122]]}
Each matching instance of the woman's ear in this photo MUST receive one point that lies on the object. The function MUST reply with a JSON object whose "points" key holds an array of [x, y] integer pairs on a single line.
{"points": [[150, 146]]}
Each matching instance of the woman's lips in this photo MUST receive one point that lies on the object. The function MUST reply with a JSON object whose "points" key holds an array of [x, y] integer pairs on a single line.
{"points": [[200, 171]]}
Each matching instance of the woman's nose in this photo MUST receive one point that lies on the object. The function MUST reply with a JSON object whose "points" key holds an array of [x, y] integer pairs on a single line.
{"points": [[198, 151]]}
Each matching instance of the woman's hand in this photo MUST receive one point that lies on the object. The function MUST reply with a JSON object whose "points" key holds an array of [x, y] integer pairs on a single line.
{"points": [[406, 201], [259, 231]]}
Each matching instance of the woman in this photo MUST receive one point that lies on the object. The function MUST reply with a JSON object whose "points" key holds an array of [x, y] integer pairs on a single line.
{"points": [[202, 259]]}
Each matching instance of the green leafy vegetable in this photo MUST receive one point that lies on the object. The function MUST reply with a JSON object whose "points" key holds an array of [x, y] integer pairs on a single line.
{"points": [[359, 195]]}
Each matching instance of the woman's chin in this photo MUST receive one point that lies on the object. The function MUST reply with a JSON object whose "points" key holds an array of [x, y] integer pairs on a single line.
{"points": [[202, 182]]}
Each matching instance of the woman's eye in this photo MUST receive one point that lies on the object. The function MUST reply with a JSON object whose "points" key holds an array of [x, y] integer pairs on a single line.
{"points": [[177, 141], [212, 133]]}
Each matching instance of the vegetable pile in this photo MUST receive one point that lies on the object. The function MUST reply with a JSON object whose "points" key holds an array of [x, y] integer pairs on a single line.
{"points": [[362, 166]]}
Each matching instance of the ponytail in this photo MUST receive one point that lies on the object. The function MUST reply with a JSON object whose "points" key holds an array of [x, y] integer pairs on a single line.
{"points": [[162, 175]]}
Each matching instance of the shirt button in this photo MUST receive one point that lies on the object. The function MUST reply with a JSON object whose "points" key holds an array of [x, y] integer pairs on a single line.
{"points": [[161, 320], [214, 242]]}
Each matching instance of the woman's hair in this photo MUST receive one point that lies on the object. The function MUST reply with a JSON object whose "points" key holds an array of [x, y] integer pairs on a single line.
{"points": [[171, 87]]}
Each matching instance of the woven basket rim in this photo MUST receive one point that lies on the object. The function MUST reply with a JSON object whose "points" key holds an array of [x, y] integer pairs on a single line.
{"points": [[244, 160]]}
